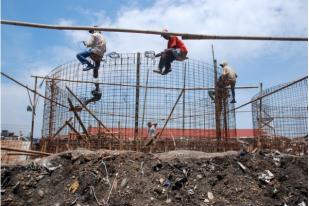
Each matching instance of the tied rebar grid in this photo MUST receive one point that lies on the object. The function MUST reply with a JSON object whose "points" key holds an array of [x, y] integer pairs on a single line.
{"points": [[283, 113], [194, 115]]}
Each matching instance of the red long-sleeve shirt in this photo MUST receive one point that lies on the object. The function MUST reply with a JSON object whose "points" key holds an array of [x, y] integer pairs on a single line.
{"points": [[175, 42]]}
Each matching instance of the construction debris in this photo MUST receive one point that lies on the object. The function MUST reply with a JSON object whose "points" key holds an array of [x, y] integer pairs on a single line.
{"points": [[193, 179]]}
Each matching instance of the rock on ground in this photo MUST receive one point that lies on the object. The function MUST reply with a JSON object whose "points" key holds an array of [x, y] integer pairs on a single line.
{"points": [[116, 178]]}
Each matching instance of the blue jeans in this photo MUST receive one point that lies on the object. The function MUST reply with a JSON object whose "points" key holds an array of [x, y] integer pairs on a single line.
{"points": [[82, 57]]}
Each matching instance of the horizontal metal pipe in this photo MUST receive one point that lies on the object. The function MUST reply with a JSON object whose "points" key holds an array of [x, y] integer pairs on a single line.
{"points": [[26, 87], [183, 35], [270, 93], [18, 153], [25, 151], [142, 86]]}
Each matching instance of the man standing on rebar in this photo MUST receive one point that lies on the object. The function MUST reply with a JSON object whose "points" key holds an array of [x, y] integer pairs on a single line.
{"points": [[152, 129], [152, 132], [229, 76], [96, 94], [97, 45], [221, 89], [176, 50]]}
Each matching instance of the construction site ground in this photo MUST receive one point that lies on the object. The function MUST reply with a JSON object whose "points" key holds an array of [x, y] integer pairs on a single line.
{"points": [[123, 178]]}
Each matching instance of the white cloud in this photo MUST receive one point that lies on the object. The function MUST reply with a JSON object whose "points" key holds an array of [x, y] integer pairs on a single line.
{"points": [[14, 99], [228, 17], [237, 17]]}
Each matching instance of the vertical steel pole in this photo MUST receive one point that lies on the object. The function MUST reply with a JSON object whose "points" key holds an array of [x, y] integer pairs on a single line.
{"points": [[144, 106], [184, 100], [225, 116], [260, 116], [217, 104], [138, 62], [33, 111]]}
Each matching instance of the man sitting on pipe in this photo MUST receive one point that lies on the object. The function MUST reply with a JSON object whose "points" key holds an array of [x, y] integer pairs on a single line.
{"points": [[97, 45], [221, 89], [176, 50]]}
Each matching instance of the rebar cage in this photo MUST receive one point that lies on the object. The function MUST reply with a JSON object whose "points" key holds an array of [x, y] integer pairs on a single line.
{"points": [[283, 113], [132, 95]]}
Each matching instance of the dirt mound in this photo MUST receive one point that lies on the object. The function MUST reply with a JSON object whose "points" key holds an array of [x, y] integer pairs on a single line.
{"points": [[177, 178]]}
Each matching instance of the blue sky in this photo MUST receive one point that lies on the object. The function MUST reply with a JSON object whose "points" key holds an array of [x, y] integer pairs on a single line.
{"points": [[27, 51]]}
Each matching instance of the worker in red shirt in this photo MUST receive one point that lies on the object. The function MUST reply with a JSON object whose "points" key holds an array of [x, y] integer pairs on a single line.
{"points": [[176, 50]]}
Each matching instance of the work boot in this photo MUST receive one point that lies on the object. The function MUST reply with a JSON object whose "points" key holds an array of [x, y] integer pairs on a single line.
{"points": [[87, 68], [166, 71], [157, 71], [233, 101]]}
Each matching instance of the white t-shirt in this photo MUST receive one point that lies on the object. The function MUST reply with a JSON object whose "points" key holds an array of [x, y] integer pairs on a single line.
{"points": [[97, 43], [230, 72], [152, 131]]}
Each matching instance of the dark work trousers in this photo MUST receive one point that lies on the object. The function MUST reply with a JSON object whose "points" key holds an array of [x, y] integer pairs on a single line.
{"points": [[95, 98], [166, 59], [82, 57], [232, 83]]}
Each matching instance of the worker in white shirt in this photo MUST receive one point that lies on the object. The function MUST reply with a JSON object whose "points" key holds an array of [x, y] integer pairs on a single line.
{"points": [[152, 129], [229, 76], [97, 45]]}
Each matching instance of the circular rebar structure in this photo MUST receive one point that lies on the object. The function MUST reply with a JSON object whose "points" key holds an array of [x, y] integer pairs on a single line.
{"points": [[283, 113], [133, 95]]}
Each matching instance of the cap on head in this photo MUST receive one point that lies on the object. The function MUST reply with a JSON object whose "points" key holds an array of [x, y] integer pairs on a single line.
{"points": [[149, 124], [165, 35], [223, 63], [91, 31]]}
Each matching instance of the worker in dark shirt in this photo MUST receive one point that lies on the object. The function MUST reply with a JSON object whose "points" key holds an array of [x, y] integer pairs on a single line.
{"points": [[222, 91], [96, 94]]}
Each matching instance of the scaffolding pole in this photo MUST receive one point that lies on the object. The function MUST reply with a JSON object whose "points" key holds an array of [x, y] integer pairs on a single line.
{"points": [[138, 62], [33, 111], [183, 35], [142, 86], [94, 116], [167, 120]]}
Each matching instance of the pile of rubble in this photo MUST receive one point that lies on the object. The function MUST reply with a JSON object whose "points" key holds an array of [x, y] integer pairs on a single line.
{"points": [[83, 177]]}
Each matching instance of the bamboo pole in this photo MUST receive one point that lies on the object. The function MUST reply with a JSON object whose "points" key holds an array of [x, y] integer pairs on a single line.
{"points": [[142, 86], [33, 104], [78, 119], [25, 151], [18, 153], [183, 35], [167, 120], [26, 87], [95, 117], [265, 95], [57, 132], [73, 129]]}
